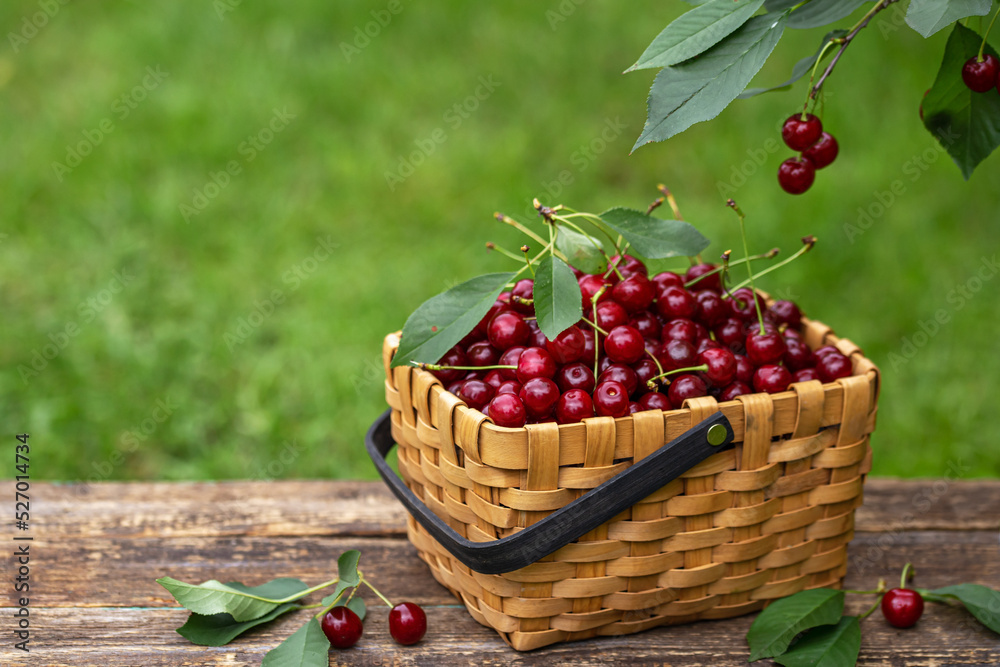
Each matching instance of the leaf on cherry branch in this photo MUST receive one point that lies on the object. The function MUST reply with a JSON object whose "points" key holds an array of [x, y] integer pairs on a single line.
{"points": [[929, 16], [701, 88], [695, 31], [800, 70], [981, 601], [816, 13], [443, 320], [826, 646], [654, 238], [220, 629], [557, 297], [243, 603], [308, 647], [583, 251], [967, 124], [775, 628]]}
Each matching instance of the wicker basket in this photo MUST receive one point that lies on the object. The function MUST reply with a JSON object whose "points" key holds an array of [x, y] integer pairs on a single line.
{"points": [[766, 518]]}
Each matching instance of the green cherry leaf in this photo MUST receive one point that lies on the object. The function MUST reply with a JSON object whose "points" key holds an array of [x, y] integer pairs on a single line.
{"points": [[929, 16], [308, 647], [826, 646], [583, 251], [800, 69], [695, 31], [981, 601], [443, 320], [244, 603], [816, 13], [347, 565], [967, 124], [654, 238], [557, 297], [775, 627], [220, 629], [701, 88], [357, 605]]}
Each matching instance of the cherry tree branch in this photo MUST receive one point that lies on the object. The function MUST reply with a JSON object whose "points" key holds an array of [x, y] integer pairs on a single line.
{"points": [[845, 41]]}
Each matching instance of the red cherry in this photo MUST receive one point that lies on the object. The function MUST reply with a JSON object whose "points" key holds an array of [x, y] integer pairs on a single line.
{"points": [[476, 393], [591, 285], [697, 271], [661, 281], [407, 623], [744, 369], [482, 354], [711, 309], [535, 362], [834, 366], [610, 314], [798, 355], [655, 401], [509, 387], [737, 388], [805, 374], [494, 378], [721, 366], [981, 75], [681, 329], [342, 627], [772, 379], [635, 293], [677, 354], [573, 406], [628, 265], [536, 338], [507, 410], [741, 304], [823, 152], [611, 399], [510, 358], [568, 347], [624, 345], [902, 607], [539, 396], [621, 374], [646, 324], [684, 387], [675, 302], [796, 175], [801, 131], [763, 349], [523, 291], [645, 370], [787, 313], [506, 330], [575, 376], [453, 357], [730, 333]]}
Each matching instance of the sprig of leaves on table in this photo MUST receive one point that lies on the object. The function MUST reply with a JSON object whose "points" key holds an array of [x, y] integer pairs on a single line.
{"points": [[576, 239], [222, 612], [809, 628], [710, 54]]}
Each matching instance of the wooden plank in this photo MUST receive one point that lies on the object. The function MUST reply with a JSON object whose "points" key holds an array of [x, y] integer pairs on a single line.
{"points": [[130, 637], [299, 508]]}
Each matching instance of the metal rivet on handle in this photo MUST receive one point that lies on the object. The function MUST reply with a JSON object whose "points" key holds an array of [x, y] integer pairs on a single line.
{"points": [[716, 434]]}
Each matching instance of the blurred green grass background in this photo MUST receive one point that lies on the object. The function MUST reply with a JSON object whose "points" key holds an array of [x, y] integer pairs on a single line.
{"points": [[242, 338]]}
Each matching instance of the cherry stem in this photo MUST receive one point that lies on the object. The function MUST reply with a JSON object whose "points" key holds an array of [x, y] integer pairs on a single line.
{"points": [[881, 592], [746, 253], [982, 46], [656, 361], [503, 251], [596, 328], [518, 226], [579, 230], [441, 367], [614, 266], [593, 219], [908, 573], [375, 590], [525, 249], [657, 203], [593, 304], [767, 255], [808, 241], [845, 42], [670, 200], [652, 381]]}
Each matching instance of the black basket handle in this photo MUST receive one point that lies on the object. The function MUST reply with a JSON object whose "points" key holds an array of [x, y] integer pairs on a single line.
{"points": [[569, 522]]}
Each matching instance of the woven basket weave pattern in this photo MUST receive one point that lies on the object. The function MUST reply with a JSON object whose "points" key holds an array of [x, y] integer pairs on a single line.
{"points": [[769, 518]]}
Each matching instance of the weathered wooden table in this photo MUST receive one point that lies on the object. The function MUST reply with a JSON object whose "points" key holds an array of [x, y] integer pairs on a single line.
{"points": [[98, 548]]}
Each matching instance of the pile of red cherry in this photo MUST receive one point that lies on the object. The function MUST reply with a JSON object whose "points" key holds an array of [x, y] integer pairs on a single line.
{"points": [[509, 370], [804, 132]]}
